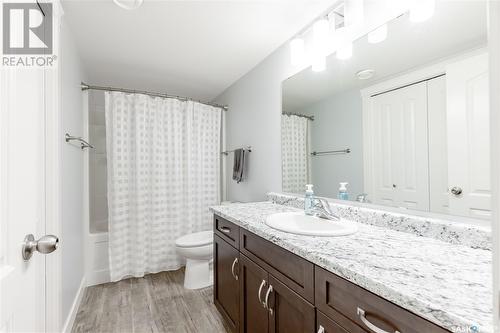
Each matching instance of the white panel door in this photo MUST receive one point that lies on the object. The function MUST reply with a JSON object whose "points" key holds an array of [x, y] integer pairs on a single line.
{"points": [[468, 137], [401, 153], [438, 145], [384, 179]]}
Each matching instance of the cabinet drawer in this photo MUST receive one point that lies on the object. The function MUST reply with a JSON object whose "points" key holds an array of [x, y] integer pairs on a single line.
{"points": [[340, 325], [364, 308], [295, 272], [227, 231]]}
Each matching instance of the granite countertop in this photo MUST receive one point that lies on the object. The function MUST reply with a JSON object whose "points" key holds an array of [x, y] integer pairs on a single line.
{"points": [[448, 284]]}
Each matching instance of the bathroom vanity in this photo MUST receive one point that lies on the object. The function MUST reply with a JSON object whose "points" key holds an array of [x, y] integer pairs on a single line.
{"points": [[376, 280]]}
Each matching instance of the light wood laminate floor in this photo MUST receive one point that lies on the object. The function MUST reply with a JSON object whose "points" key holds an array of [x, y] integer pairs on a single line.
{"points": [[155, 303]]}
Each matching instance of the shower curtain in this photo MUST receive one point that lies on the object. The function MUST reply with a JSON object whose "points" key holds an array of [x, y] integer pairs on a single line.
{"points": [[295, 153], [163, 174]]}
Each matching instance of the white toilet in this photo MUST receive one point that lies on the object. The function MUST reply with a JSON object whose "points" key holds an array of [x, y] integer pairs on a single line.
{"points": [[197, 248]]}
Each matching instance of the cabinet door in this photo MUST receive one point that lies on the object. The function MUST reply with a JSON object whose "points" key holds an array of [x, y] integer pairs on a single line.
{"points": [[253, 280], [226, 284], [288, 312]]}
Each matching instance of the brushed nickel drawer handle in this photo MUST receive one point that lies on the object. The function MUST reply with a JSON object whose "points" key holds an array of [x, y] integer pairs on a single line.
{"points": [[321, 329], [266, 301], [260, 292], [225, 230], [232, 269], [373, 328]]}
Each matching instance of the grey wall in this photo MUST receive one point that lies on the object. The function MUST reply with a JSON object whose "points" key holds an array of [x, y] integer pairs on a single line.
{"points": [[254, 118], [72, 235], [337, 125]]}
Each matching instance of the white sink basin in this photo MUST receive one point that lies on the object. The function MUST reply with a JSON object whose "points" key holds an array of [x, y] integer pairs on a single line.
{"points": [[302, 224]]}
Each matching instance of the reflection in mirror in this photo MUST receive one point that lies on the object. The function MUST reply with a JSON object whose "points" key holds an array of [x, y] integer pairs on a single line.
{"points": [[405, 122]]}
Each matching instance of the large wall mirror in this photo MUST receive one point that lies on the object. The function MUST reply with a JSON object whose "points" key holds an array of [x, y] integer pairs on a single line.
{"points": [[405, 121]]}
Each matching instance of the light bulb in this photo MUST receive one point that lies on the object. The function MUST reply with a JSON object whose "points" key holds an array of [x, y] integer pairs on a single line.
{"points": [[345, 51], [421, 10], [318, 63], [378, 35], [297, 51], [321, 29], [354, 12], [345, 44]]}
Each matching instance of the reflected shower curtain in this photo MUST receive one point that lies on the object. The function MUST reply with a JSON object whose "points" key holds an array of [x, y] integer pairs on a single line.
{"points": [[295, 153], [163, 174]]}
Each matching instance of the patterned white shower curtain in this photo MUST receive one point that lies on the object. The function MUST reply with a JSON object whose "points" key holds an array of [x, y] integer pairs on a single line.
{"points": [[295, 153], [163, 174]]}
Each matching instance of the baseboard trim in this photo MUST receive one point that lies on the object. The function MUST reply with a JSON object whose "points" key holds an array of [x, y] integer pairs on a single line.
{"points": [[98, 277], [70, 320]]}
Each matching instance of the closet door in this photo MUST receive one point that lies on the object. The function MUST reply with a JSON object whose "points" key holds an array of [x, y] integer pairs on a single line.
{"points": [[401, 153], [438, 145], [468, 137]]}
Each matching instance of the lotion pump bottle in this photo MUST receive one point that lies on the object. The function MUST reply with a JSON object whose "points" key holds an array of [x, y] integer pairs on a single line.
{"points": [[308, 200], [343, 195]]}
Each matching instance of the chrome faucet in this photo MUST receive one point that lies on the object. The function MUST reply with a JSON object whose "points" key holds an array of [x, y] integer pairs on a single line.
{"points": [[321, 208]]}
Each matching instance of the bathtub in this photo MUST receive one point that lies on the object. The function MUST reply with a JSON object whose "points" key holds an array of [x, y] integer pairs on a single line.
{"points": [[97, 261]]}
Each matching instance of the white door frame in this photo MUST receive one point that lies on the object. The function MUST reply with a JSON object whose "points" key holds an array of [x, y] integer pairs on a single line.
{"points": [[494, 69], [54, 139]]}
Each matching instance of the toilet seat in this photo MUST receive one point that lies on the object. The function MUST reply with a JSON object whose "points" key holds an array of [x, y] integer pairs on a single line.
{"points": [[196, 239]]}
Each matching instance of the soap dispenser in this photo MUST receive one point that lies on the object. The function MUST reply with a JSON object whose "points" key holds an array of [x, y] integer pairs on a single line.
{"points": [[309, 200], [343, 195]]}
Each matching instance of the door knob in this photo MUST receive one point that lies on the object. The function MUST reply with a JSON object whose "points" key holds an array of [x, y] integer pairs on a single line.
{"points": [[46, 244], [456, 190]]}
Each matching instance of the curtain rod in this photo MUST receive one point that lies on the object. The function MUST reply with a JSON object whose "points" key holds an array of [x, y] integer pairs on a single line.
{"points": [[311, 118], [85, 86]]}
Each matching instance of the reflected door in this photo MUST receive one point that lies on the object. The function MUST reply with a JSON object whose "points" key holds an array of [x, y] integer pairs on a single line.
{"points": [[401, 171], [469, 137]]}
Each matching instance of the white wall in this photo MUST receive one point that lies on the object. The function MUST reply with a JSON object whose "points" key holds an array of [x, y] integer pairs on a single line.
{"points": [[72, 234], [337, 124]]}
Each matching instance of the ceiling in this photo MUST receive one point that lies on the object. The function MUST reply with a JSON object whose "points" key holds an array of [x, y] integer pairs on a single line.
{"points": [[457, 26], [187, 48]]}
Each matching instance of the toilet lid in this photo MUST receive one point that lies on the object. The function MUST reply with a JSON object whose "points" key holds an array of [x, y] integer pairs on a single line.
{"points": [[195, 239]]}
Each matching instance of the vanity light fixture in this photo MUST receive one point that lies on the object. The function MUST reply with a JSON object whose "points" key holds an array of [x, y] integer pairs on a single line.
{"points": [[321, 30], [421, 10], [365, 74], [344, 51], [378, 35], [297, 51], [128, 4]]}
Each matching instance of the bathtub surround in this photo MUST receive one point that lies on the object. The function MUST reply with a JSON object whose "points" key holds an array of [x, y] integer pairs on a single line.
{"points": [[448, 284], [447, 230], [163, 163]]}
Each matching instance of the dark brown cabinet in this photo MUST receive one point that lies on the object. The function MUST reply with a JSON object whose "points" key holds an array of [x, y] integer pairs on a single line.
{"points": [[288, 312], [253, 286], [226, 281], [260, 287]]}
